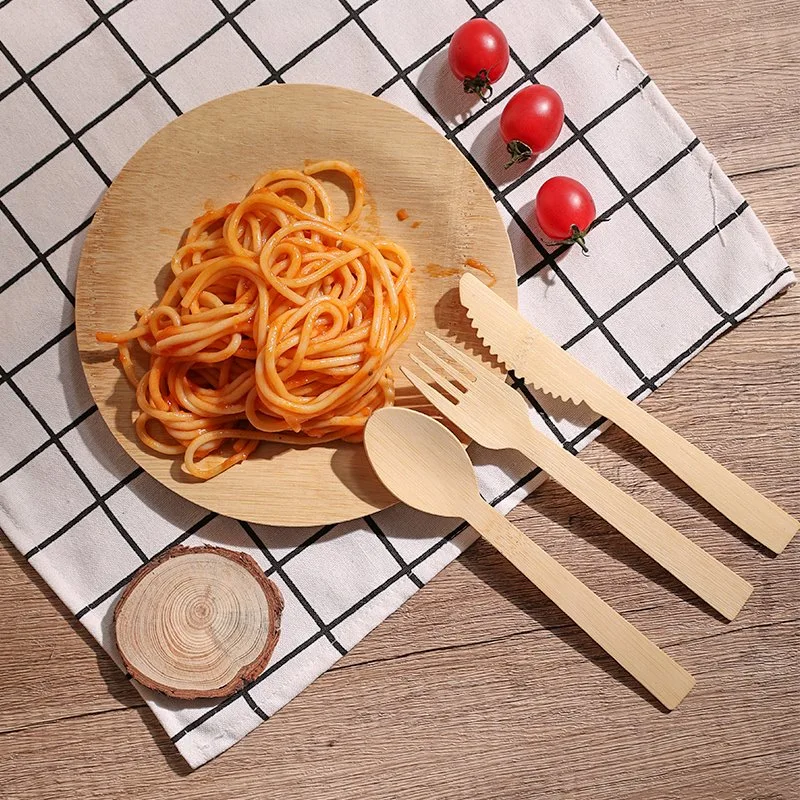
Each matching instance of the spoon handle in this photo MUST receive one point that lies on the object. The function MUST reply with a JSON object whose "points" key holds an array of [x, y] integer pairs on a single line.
{"points": [[660, 674]]}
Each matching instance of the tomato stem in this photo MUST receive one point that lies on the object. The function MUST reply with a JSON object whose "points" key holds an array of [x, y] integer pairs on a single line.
{"points": [[518, 151], [479, 85], [577, 237]]}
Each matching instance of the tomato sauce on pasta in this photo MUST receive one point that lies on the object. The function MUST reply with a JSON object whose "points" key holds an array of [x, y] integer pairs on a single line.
{"points": [[279, 325]]}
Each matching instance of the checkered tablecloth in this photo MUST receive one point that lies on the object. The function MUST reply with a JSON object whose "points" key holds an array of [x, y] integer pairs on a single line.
{"points": [[679, 260]]}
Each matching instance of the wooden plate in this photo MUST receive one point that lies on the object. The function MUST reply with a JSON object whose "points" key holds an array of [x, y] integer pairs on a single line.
{"points": [[211, 156]]}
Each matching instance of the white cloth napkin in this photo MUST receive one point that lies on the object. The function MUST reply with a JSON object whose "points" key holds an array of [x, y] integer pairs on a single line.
{"points": [[680, 260]]}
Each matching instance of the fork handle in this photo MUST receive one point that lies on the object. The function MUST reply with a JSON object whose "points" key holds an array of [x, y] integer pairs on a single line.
{"points": [[711, 580], [730, 495], [658, 672]]}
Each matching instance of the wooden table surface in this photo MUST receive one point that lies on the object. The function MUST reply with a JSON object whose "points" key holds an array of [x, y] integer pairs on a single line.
{"points": [[478, 687]]}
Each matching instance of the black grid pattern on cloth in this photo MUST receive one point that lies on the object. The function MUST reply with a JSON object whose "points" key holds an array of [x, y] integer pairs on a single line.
{"points": [[548, 258]]}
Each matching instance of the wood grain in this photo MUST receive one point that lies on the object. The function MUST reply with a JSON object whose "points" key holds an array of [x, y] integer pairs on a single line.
{"points": [[221, 146], [463, 692], [198, 622]]}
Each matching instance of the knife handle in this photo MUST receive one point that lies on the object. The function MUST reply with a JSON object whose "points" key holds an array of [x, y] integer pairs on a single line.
{"points": [[659, 673], [730, 495], [711, 580]]}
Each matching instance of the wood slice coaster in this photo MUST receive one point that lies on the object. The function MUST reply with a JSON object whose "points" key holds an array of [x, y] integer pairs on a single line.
{"points": [[198, 622]]}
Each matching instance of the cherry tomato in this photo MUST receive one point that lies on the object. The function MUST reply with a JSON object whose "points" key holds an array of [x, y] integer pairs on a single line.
{"points": [[531, 122], [565, 210], [478, 56]]}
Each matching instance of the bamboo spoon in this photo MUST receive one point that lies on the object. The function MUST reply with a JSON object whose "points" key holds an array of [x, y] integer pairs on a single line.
{"points": [[425, 466]]}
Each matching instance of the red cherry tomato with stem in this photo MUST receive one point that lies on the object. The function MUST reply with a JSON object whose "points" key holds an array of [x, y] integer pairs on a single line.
{"points": [[531, 122], [478, 56], [565, 210]]}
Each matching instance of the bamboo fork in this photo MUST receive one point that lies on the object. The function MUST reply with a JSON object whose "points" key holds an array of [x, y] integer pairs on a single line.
{"points": [[425, 466], [493, 414]]}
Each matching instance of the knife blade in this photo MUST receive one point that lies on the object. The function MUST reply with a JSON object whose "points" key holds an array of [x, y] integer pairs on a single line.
{"points": [[521, 347], [538, 360]]}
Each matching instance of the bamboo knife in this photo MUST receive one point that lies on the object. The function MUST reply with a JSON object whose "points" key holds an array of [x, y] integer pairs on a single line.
{"points": [[541, 362]]}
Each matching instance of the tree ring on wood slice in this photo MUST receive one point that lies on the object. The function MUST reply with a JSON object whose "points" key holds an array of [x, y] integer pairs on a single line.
{"points": [[198, 622]]}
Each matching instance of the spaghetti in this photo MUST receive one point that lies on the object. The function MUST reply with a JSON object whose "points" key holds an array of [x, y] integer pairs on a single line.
{"points": [[279, 325]]}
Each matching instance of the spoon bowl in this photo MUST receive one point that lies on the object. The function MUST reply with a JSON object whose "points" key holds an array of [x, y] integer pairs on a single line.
{"points": [[420, 462]]}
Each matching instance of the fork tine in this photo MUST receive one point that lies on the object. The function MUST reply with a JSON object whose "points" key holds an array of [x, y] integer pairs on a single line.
{"points": [[434, 397], [470, 364], [448, 368], [450, 388], [476, 368]]}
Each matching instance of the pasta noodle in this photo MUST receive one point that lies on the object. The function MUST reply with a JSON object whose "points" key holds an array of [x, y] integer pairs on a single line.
{"points": [[279, 325]]}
